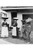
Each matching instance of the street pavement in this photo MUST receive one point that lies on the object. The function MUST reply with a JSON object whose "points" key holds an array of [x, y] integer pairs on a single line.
{"points": [[3, 41], [15, 41], [11, 40]]}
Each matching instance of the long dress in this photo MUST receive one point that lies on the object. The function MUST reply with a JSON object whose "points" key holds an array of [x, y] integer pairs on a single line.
{"points": [[4, 32], [14, 30], [14, 33]]}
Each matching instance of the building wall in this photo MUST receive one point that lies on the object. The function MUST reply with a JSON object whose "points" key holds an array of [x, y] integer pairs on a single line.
{"points": [[9, 18]]}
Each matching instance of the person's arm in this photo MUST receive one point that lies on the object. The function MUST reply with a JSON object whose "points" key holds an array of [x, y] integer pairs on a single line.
{"points": [[3, 24]]}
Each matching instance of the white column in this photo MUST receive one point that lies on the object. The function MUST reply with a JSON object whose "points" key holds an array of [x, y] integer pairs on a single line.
{"points": [[19, 16]]}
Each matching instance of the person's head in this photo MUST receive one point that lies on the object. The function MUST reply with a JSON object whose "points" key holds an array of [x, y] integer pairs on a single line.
{"points": [[4, 19], [15, 21]]}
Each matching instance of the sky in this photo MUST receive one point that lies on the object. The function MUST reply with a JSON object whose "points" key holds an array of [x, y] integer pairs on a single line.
{"points": [[16, 2]]}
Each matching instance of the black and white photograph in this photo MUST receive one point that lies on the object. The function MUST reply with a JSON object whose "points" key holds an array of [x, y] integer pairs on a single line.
{"points": [[16, 24]]}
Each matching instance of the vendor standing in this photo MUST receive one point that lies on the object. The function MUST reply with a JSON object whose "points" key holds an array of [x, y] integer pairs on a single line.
{"points": [[14, 30], [4, 32]]}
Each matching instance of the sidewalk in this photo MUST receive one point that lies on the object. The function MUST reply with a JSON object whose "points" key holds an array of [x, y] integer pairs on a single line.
{"points": [[15, 40], [3, 41]]}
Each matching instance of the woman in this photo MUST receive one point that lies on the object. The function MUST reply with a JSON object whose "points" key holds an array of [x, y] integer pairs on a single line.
{"points": [[14, 30], [4, 32]]}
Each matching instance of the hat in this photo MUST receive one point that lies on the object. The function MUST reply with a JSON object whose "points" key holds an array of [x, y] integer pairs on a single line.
{"points": [[3, 11], [4, 17], [15, 18], [22, 20]]}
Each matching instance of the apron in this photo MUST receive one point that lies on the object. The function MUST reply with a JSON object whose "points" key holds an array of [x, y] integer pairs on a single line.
{"points": [[14, 33], [4, 32]]}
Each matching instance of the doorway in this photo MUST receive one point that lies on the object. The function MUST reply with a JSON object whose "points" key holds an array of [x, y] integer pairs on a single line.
{"points": [[13, 14]]}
